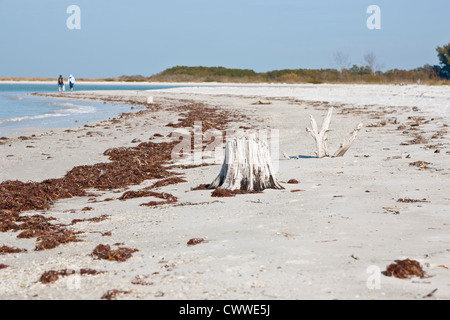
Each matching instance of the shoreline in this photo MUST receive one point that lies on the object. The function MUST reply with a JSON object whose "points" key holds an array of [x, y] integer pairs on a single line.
{"points": [[317, 243], [208, 84]]}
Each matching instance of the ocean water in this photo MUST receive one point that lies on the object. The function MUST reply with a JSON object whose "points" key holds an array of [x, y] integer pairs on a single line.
{"points": [[20, 112]]}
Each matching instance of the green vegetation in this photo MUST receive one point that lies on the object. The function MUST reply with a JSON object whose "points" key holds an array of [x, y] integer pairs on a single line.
{"points": [[205, 74], [356, 74], [444, 58], [368, 73]]}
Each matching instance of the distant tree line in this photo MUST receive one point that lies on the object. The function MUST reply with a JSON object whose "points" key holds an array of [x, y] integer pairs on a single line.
{"points": [[444, 58], [344, 73]]}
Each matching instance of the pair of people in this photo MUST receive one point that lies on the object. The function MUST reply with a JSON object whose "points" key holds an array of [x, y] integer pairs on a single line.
{"points": [[61, 83]]}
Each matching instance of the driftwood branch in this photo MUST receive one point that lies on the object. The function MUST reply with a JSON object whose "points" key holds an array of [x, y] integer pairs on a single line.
{"points": [[346, 145], [321, 136]]}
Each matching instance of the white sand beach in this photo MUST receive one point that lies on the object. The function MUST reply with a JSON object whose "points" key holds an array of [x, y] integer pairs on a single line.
{"points": [[328, 237]]}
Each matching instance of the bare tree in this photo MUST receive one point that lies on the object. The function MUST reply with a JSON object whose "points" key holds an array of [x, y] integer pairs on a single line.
{"points": [[370, 59], [371, 62], [341, 60]]}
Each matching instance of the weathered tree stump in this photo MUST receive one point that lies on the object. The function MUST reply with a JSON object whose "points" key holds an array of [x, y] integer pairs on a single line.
{"points": [[247, 166]]}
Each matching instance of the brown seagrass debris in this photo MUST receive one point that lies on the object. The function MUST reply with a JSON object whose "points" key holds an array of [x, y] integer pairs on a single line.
{"points": [[405, 269], [417, 140], [113, 294], [195, 241], [8, 249], [52, 275], [407, 200], [138, 194], [141, 280], [168, 198], [101, 218], [166, 182], [210, 118], [104, 252], [221, 193], [127, 166], [201, 187], [420, 164], [48, 235]]}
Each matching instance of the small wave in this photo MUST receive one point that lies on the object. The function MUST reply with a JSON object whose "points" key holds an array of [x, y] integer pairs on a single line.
{"points": [[41, 116], [12, 97], [72, 108], [65, 110], [77, 110]]}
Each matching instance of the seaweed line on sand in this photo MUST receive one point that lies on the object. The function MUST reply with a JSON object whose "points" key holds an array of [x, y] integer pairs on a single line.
{"points": [[127, 166]]}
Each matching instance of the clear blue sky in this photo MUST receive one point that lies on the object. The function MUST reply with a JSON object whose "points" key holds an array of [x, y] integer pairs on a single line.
{"points": [[145, 36]]}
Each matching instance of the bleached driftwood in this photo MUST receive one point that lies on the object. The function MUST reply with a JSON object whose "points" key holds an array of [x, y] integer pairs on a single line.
{"points": [[285, 155], [346, 145], [321, 136], [247, 166]]}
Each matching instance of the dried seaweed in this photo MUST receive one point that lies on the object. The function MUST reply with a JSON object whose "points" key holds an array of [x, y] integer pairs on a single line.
{"points": [[201, 187], [126, 166], [417, 140], [141, 280], [101, 218], [113, 294], [221, 193], [420, 164], [211, 118], [166, 182], [293, 181], [3, 266], [104, 252], [405, 269], [407, 200], [50, 240], [195, 241], [8, 249], [48, 235], [52, 276], [139, 194], [169, 198]]}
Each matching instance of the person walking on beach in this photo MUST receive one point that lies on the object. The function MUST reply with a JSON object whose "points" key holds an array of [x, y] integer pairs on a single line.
{"points": [[71, 82], [61, 83]]}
